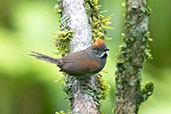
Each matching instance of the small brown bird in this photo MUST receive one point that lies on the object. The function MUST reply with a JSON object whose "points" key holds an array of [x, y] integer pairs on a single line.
{"points": [[81, 63]]}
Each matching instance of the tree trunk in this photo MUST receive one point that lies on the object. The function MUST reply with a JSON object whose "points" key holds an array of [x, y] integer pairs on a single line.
{"points": [[129, 94], [82, 92]]}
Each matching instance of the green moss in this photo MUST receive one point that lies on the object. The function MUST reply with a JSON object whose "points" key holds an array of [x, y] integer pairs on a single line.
{"points": [[145, 92], [69, 87], [98, 22], [62, 41], [99, 90], [58, 7], [104, 88], [63, 36], [62, 112], [148, 51], [145, 10], [61, 79]]}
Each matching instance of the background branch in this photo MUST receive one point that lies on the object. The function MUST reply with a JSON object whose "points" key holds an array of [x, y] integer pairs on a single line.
{"points": [[133, 51]]}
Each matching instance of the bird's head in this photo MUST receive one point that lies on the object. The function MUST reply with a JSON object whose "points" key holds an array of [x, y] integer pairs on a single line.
{"points": [[100, 49]]}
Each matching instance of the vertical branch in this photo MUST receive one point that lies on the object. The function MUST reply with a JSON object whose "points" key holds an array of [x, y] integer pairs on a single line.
{"points": [[74, 10], [82, 92], [129, 93], [81, 23]]}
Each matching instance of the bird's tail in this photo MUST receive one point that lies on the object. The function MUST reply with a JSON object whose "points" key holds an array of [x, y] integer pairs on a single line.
{"points": [[44, 57]]}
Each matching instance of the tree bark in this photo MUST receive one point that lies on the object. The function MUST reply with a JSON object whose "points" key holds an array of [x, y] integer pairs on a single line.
{"points": [[133, 52], [82, 102]]}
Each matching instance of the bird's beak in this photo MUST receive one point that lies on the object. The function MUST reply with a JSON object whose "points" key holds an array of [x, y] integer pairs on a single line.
{"points": [[106, 49]]}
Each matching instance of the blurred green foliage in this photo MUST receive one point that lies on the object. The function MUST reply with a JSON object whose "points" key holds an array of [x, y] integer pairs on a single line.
{"points": [[27, 85]]}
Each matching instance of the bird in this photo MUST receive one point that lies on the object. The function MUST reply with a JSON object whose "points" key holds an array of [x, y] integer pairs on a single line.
{"points": [[81, 63]]}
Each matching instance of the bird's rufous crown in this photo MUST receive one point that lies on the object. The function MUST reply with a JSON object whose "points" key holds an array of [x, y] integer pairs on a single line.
{"points": [[98, 42]]}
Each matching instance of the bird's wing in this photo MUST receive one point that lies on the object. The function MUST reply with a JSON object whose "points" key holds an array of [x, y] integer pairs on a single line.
{"points": [[83, 54], [79, 63], [80, 67]]}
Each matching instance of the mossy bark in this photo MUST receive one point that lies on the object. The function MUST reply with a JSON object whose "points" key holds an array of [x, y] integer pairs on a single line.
{"points": [[133, 51], [81, 102], [76, 34]]}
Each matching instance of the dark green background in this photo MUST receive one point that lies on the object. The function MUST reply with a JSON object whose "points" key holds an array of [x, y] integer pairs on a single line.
{"points": [[27, 85]]}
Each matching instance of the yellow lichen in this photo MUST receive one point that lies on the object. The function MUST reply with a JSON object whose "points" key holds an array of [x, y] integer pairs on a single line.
{"points": [[98, 22], [62, 112], [62, 41], [104, 88]]}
